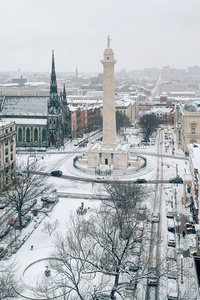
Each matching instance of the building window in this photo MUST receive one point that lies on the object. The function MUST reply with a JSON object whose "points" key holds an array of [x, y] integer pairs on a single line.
{"points": [[28, 135], [11, 157], [100, 155], [44, 135], [6, 160], [6, 142], [20, 135], [35, 135], [11, 148], [6, 151], [193, 128], [112, 155]]}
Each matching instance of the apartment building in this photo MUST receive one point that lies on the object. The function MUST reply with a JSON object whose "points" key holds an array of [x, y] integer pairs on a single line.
{"points": [[7, 152], [187, 124]]}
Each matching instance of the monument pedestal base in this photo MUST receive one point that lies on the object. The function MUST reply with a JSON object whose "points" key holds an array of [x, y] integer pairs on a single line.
{"points": [[117, 156]]}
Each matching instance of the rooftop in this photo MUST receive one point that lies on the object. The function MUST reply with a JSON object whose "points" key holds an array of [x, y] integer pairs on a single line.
{"points": [[25, 106]]}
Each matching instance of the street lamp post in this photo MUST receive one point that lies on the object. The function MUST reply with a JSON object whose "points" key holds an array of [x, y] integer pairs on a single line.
{"points": [[182, 269], [178, 229], [176, 170], [175, 198]]}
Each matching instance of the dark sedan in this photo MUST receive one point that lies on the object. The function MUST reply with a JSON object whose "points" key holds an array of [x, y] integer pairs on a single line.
{"points": [[57, 173], [141, 180], [176, 180]]}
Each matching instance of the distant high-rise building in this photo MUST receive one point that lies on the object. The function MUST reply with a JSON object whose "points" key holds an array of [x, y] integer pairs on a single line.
{"points": [[76, 75]]}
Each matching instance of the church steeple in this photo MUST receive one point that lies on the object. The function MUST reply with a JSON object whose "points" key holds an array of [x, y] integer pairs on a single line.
{"points": [[64, 93], [53, 84]]}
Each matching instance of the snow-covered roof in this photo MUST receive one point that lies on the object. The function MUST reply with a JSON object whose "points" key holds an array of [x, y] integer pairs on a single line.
{"points": [[194, 150], [84, 101], [4, 123], [25, 121], [183, 93], [123, 102], [161, 110], [81, 107], [25, 106]]}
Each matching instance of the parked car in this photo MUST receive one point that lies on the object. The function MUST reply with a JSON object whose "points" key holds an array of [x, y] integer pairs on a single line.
{"points": [[170, 214], [57, 173], [103, 297], [49, 199], [141, 180], [3, 205], [99, 179], [190, 229], [155, 217], [176, 180], [172, 289], [134, 266], [131, 286], [170, 225], [172, 269], [171, 253], [3, 252], [171, 240], [26, 220], [153, 277]]}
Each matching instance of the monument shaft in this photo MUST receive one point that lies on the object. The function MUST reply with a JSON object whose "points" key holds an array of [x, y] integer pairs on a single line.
{"points": [[109, 116]]}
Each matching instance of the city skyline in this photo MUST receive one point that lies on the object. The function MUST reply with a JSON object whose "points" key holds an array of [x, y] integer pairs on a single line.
{"points": [[144, 34]]}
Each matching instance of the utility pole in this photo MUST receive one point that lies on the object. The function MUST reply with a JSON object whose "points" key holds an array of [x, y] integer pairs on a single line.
{"points": [[182, 269], [175, 198], [178, 218]]}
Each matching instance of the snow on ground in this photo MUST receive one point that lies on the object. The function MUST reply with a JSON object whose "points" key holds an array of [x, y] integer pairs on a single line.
{"points": [[42, 243], [53, 159]]}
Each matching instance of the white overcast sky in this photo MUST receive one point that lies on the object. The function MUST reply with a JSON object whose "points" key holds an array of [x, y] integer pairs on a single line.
{"points": [[144, 33]]}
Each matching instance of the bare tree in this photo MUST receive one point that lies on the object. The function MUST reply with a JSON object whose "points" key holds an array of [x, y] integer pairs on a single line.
{"points": [[121, 121], [50, 227], [148, 124], [102, 251], [22, 193], [9, 286]]}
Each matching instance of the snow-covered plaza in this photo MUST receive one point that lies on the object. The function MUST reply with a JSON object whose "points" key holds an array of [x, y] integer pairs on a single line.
{"points": [[33, 257]]}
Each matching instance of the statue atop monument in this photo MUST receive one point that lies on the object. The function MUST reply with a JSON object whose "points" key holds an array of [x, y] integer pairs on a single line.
{"points": [[108, 41]]}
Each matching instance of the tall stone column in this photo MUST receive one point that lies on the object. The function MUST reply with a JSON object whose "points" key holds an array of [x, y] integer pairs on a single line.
{"points": [[109, 117]]}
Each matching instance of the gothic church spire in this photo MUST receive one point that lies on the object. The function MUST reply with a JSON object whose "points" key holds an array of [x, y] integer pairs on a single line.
{"points": [[64, 93], [53, 84]]}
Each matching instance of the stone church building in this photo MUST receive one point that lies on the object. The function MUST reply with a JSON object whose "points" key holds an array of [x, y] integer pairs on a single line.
{"points": [[40, 121]]}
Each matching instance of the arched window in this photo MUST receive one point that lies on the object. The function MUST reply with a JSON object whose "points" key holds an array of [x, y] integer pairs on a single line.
{"points": [[193, 142], [28, 135], [35, 135], [44, 135], [193, 128], [20, 135]]}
